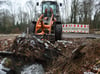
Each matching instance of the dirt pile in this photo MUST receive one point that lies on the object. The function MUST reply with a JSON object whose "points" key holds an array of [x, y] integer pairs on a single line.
{"points": [[69, 56], [88, 62]]}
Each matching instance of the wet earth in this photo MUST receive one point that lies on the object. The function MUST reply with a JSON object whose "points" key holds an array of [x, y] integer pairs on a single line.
{"points": [[89, 62]]}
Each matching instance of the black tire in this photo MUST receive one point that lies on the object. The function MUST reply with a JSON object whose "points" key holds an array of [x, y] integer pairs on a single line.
{"points": [[58, 32]]}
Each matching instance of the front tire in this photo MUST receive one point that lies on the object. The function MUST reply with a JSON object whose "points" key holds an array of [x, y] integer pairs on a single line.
{"points": [[58, 32]]}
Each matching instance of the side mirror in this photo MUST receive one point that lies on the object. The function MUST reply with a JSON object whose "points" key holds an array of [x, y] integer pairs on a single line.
{"points": [[37, 3], [60, 4]]}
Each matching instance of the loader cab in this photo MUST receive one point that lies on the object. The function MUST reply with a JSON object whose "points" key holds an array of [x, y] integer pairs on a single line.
{"points": [[49, 7]]}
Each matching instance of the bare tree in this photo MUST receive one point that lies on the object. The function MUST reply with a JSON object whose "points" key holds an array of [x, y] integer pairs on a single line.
{"points": [[6, 18], [31, 6], [25, 17], [82, 11], [97, 16], [12, 11], [74, 10], [88, 8]]}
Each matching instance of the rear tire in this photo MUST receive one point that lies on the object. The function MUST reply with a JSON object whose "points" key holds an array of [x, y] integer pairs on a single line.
{"points": [[58, 32]]}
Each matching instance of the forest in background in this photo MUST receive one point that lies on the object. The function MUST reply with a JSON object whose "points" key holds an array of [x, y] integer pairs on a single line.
{"points": [[82, 12]]}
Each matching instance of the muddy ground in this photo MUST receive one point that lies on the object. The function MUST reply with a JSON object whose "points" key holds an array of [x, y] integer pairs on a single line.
{"points": [[88, 59], [8, 36]]}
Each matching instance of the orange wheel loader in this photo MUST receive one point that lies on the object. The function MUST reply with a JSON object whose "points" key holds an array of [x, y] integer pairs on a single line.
{"points": [[49, 23]]}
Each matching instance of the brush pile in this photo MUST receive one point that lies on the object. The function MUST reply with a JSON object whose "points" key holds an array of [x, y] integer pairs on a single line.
{"points": [[35, 48], [87, 60], [69, 56], [5, 44]]}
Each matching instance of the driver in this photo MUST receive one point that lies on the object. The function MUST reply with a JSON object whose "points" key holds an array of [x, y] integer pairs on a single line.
{"points": [[51, 10]]}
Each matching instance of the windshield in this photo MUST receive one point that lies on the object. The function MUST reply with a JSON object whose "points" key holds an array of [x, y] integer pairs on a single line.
{"points": [[49, 8]]}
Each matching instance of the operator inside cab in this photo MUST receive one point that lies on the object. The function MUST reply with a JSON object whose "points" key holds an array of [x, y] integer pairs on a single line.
{"points": [[49, 8], [48, 11]]}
